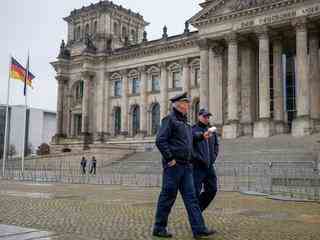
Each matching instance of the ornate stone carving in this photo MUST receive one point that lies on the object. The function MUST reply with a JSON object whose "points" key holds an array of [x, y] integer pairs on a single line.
{"points": [[245, 4], [300, 23], [203, 44], [165, 32], [262, 32], [231, 38], [217, 50], [89, 44]]}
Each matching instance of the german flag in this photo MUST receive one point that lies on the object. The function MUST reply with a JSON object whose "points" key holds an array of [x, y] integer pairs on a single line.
{"points": [[18, 72]]}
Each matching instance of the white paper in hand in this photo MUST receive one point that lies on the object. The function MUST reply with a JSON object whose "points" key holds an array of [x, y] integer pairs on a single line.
{"points": [[212, 129]]}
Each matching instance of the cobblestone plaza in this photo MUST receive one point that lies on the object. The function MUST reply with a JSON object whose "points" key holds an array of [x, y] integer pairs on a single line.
{"points": [[112, 212]]}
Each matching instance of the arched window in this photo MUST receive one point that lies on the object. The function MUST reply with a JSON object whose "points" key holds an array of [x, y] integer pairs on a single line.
{"points": [[124, 32], [196, 109], [133, 36], [87, 29], [155, 118], [135, 120], [115, 28], [95, 27], [117, 120]]}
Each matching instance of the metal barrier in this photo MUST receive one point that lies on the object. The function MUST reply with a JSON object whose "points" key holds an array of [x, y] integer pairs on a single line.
{"points": [[299, 180]]}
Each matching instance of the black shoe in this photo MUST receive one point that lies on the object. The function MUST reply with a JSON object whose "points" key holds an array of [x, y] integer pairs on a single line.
{"points": [[162, 234], [205, 235]]}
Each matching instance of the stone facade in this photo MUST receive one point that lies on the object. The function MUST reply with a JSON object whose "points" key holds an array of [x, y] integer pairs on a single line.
{"points": [[253, 64]]}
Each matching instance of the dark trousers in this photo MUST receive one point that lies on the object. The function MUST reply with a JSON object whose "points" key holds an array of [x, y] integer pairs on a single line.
{"points": [[178, 178], [93, 169], [205, 182], [83, 169]]}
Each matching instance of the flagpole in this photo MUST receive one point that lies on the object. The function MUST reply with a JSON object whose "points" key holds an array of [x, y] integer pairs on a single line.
{"points": [[6, 132], [25, 116]]}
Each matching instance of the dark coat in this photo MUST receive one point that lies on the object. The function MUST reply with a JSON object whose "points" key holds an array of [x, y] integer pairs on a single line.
{"points": [[204, 152], [174, 139]]}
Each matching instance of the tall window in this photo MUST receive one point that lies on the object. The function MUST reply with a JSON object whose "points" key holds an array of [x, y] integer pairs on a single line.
{"points": [[78, 33], [78, 124], [117, 120], [135, 120], [155, 82], [176, 79], [197, 76], [79, 91], [95, 27], [87, 29], [117, 88], [124, 32], [196, 111], [115, 28], [135, 86], [155, 118]]}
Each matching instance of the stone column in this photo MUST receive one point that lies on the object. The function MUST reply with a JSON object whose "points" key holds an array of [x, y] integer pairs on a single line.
{"points": [[87, 81], [61, 105], [232, 129], [314, 77], [68, 110], [186, 76], [124, 104], [278, 91], [144, 101], [302, 126], [215, 85], [100, 108], [106, 119], [164, 91], [264, 127], [248, 86], [204, 73]]}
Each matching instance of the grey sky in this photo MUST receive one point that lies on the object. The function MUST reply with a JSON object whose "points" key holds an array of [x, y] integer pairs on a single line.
{"points": [[37, 25]]}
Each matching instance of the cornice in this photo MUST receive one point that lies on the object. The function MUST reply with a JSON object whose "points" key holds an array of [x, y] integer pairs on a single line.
{"points": [[246, 12]]}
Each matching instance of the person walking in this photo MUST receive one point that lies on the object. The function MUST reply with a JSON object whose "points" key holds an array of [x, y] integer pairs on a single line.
{"points": [[175, 142], [204, 156]]}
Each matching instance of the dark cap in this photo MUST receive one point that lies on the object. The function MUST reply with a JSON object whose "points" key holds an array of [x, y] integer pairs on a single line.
{"points": [[204, 112], [180, 97]]}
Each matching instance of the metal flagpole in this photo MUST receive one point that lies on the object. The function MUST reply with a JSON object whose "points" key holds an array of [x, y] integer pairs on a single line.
{"points": [[25, 115], [6, 134]]}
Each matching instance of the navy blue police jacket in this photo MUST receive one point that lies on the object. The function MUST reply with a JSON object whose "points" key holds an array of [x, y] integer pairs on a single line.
{"points": [[175, 139], [204, 152]]}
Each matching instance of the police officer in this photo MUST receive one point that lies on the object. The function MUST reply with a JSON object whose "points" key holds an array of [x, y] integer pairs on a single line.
{"points": [[204, 156], [174, 140], [83, 165], [93, 165]]}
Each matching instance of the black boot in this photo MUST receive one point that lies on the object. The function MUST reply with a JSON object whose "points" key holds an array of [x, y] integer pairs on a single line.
{"points": [[162, 234], [205, 235]]}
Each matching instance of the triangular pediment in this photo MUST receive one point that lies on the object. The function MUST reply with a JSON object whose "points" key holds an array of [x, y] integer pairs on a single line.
{"points": [[212, 8]]}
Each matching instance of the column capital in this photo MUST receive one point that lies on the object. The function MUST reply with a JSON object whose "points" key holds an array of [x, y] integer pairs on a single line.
{"points": [[163, 65], [300, 23], [262, 32], [184, 62], [203, 44], [313, 30], [87, 74], [62, 79], [217, 50], [231, 38], [142, 69], [124, 72]]}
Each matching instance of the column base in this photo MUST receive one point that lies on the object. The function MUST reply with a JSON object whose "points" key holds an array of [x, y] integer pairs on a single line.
{"points": [[86, 138], [316, 125], [99, 137], [263, 128], [280, 127], [231, 131], [247, 129], [301, 126]]}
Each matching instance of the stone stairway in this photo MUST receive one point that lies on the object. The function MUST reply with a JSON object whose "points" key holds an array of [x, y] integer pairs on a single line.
{"points": [[282, 149]]}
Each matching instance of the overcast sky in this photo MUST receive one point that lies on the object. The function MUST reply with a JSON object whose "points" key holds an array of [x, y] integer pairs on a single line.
{"points": [[37, 25]]}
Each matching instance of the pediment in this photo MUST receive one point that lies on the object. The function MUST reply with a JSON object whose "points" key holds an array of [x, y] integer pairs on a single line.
{"points": [[215, 8]]}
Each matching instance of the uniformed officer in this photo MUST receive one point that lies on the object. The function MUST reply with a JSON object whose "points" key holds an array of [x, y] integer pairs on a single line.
{"points": [[175, 140], [204, 157]]}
